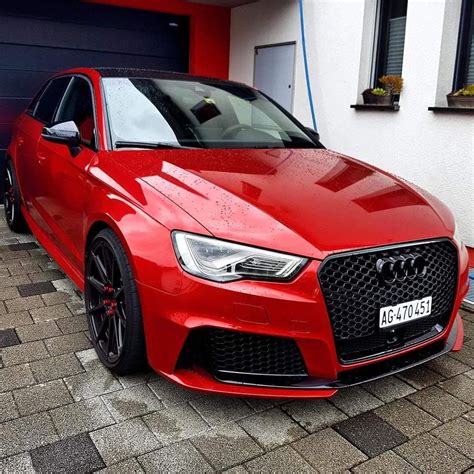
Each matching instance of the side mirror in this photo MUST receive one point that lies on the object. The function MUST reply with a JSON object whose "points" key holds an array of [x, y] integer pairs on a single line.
{"points": [[313, 134], [65, 133]]}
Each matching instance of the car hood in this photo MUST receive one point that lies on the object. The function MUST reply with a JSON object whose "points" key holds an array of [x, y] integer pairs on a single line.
{"points": [[310, 202]]}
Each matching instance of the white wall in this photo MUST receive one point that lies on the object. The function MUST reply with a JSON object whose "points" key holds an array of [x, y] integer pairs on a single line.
{"points": [[433, 150]]}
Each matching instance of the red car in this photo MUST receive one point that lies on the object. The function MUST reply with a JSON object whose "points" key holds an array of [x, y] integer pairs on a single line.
{"points": [[216, 239]]}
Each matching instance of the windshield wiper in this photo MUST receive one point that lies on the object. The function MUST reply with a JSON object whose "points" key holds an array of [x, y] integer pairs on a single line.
{"points": [[149, 145]]}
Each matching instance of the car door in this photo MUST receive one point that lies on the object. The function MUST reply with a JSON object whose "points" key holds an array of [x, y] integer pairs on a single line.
{"points": [[40, 113], [63, 171]]}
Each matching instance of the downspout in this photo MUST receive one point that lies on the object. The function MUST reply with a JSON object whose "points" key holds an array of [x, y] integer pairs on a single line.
{"points": [[306, 66]]}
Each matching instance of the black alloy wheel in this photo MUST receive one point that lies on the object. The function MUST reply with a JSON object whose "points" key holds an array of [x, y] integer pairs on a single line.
{"points": [[112, 305], [12, 201]]}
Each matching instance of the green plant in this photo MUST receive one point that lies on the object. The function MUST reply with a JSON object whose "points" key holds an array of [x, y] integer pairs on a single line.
{"points": [[467, 91], [392, 84], [378, 91]]}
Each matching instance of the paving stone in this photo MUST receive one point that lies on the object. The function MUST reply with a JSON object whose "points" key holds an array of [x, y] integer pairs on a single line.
{"points": [[8, 409], [180, 457], [15, 320], [90, 384], [284, 459], [389, 389], [170, 393], [388, 462], [26, 433], [130, 466], [24, 246], [439, 403], [420, 377], [407, 417], [226, 446], [465, 355], [48, 313], [127, 439], [80, 417], [314, 415], [175, 423], [355, 400], [370, 434], [67, 343], [89, 359], [56, 367], [58, 297], [16, 464], [261, 404], [9, 281], [72, 455], [42, 397], [35, 332], [31, 289], [73, 325], [272, 428], [76, 308], [9, 293], [328, 451], [432, 455], [24, 303], [15, 377], [216, 409], [50, 275], [18, 269], [8, 337], [447, 366], [139, 378], [459, 434], [131, 402], [23, 353], [461, 387]]}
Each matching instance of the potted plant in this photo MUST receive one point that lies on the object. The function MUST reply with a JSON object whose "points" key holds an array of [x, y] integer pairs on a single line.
{"points": [[462, 98], [386, 95], [377, 96]]}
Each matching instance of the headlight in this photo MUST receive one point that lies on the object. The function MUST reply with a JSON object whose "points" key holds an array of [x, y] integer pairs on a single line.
{"points": [[222, 261], [457, 236]]}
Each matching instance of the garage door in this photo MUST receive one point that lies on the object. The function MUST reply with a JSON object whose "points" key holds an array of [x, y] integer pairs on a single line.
{"points": [[39, 38]]}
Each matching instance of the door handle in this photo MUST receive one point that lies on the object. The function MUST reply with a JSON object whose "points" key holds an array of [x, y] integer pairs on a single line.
{"points": [[41, 158], [20, 141]]}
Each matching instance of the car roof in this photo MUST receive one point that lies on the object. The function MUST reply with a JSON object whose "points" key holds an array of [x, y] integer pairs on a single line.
{"points": [[157, 74]]}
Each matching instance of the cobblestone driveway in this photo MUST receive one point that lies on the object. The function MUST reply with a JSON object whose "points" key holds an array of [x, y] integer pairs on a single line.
{"points": [[60, 410]]}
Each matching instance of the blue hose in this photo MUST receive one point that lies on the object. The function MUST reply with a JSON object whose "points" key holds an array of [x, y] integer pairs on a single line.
{"points": [[306, 66]]}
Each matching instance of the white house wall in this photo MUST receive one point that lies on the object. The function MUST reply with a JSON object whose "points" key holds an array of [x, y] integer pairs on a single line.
{"points": [[433, 150]]}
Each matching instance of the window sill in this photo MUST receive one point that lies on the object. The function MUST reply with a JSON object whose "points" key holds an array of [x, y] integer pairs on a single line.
{"points": [[378, 108], [452, 110]]}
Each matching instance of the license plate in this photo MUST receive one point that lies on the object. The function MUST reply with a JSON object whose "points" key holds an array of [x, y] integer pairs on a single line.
{"points": [[404, 312]]}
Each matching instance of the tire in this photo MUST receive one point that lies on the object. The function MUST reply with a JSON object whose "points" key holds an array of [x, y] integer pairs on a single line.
{"points": [[12, 201], [112, 306]]}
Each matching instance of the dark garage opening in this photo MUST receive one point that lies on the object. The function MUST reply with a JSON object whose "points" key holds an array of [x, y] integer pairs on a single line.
{"points": [[40, 38]]}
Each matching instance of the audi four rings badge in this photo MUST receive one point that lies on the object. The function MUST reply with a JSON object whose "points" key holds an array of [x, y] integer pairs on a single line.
{"points": [[401, 268]]}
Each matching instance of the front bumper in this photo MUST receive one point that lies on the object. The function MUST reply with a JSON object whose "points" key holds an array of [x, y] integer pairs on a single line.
{"points": [[294, 310]]}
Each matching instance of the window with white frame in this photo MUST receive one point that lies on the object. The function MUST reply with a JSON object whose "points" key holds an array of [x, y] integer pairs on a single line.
{"points": [[390, 38], [464, 74]]}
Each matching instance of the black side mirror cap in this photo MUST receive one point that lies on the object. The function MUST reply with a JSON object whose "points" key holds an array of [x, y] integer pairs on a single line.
{"points": [[65, 133], [313, 134]]}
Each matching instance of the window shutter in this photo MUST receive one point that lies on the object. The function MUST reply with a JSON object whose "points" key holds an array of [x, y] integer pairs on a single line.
{"points": [[396, 45], [470, 64]]}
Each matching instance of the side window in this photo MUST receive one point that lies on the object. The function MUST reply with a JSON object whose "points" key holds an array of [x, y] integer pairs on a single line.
{"points": [[391, 38], [465, 57], [50, 98], [78, 107]]}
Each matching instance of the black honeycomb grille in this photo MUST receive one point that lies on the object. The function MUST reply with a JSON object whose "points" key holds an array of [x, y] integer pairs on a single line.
{"points": [[231, 352], [354, 295]]}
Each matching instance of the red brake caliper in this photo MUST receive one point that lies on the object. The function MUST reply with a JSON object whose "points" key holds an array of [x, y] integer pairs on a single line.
{"points": [[110, 303]]}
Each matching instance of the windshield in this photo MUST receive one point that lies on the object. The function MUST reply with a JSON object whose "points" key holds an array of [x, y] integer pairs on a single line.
{"points": [[149, 112]]}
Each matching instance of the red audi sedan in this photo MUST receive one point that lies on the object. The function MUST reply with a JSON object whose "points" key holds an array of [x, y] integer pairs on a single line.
{"points": [[215, 238]]}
